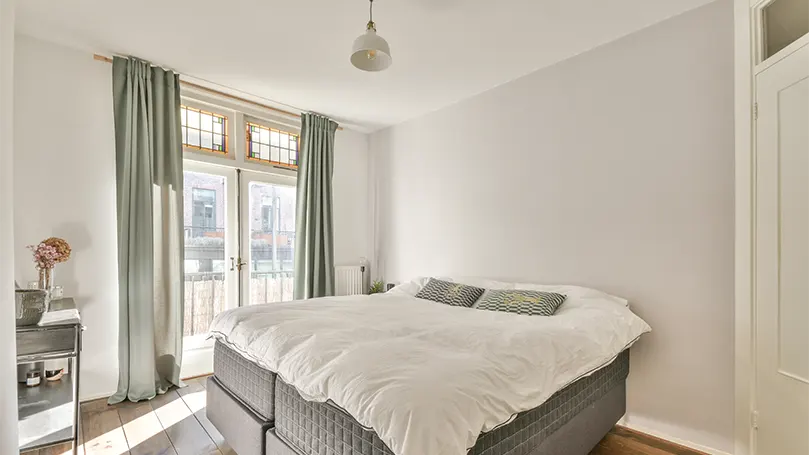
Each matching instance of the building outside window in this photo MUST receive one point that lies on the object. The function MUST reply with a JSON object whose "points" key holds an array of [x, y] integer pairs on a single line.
{"points": [[203, 215]]}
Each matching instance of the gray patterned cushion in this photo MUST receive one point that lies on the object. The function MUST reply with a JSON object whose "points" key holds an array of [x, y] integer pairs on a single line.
{"points": [[454, 294], [531, 303]]}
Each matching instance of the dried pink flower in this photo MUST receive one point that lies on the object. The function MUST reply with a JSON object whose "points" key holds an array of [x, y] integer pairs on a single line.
{"points": [[45, 256]]}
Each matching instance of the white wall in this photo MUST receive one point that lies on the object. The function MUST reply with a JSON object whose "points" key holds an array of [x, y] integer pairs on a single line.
{"points": [[352, 221], [65, 186], [64, 163], [613, 170], [8, 381]]}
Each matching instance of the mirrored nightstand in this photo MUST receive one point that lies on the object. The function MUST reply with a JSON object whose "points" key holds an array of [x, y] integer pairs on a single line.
{"points": [[48, 412]]}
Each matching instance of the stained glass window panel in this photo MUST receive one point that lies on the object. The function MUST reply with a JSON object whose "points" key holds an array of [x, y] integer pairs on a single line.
{"points": [[202, 130], [271, 146]]}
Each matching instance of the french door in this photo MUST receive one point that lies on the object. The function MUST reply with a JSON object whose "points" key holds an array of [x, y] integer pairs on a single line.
{"points": [[239, 230]]}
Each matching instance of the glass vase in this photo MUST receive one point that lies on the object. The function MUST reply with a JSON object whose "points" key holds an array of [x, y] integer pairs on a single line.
{"points": [[46, 280]]}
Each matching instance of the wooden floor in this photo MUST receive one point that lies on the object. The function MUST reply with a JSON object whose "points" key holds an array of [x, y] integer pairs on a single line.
{"points": [[175, 424]]}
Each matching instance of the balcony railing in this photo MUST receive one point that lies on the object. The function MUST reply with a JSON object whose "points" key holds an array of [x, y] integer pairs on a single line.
{"points": [[203, 231], [205, 295], [270, 287]]}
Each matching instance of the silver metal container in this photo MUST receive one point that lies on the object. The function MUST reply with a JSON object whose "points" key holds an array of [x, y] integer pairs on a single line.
{"points": [[30, 305]]}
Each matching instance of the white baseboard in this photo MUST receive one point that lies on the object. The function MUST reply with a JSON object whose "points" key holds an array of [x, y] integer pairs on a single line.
{"points": [[682, 442]]}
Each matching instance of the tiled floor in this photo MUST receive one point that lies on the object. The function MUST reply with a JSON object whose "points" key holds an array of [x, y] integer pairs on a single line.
{"points": [[175, 424]]}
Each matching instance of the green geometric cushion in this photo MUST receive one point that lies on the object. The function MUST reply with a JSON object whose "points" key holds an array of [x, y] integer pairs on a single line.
{"points": [[530, 303], [454, 294]]}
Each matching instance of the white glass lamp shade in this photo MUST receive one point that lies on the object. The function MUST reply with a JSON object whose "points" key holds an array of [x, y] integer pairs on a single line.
{"points": [[371, 52]]}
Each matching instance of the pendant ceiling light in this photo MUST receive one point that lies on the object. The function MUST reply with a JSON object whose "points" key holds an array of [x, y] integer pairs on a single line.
{"points": [[371, 52]]}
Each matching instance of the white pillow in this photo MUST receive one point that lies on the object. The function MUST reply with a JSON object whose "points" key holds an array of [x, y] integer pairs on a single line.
{"points": [[411, 287], [572, 292], [577, 292], [414, 286]]}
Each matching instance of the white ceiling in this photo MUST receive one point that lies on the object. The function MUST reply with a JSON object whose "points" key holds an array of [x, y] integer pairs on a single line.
{"points": [[297, 52]]}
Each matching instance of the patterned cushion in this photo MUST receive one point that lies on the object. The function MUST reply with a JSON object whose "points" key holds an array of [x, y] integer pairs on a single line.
{"points": [[454, 294], [531, 303]]}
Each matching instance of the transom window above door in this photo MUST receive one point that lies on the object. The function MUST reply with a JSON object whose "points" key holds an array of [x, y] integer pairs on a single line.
{"points": [[203, 130], [272, 146], [782, 23]]}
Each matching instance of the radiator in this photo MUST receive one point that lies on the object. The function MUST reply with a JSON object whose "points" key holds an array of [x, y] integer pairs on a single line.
{"points": [[350, 279]]}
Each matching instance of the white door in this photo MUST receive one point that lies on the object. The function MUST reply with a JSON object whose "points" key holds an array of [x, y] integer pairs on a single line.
{"points": [[782, 257], [267, 213]]}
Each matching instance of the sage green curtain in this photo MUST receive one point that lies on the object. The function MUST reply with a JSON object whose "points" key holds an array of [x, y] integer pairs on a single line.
{"points": [[148, 152], [314, 221]]}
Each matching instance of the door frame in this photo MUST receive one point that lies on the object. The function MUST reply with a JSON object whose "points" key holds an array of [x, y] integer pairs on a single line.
{"points": [[198, 357], [748, 42], [200, 361]]}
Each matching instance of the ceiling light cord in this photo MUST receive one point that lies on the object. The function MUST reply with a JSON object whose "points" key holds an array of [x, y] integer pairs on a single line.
{"points": [[371, 24]]}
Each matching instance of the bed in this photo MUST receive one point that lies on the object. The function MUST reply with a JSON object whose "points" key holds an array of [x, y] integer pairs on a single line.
{"points": [[277, 397]]}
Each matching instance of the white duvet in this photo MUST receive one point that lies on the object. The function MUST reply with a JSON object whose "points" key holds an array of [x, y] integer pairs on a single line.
{"points": [[428, 377]]}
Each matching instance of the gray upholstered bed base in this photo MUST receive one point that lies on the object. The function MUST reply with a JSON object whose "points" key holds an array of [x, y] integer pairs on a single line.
{"points": [[577, 437], [250, 434]]}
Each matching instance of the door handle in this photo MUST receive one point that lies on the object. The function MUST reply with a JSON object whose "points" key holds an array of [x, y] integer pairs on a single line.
{"points": [[236, 265]]}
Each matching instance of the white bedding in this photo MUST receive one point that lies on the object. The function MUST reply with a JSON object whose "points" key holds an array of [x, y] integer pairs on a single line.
{"points": [[428, 377]]}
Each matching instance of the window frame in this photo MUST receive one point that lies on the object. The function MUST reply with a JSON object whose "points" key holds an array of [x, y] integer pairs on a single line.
{"points": [[197, 353]]}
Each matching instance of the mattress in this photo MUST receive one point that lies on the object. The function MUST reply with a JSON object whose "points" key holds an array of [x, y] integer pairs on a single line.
{"points": [[322, 428], [253, 385]]}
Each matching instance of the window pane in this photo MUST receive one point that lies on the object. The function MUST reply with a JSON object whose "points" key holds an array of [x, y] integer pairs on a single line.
{"points": [[274, 138], [193, 119], [206, 122], [193, 137], [207, 140], [272, 242], [204, 130], [204, 228], [784, 22]]}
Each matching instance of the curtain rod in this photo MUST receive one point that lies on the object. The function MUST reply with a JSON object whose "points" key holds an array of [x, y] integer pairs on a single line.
{"points": [[192, 85]]}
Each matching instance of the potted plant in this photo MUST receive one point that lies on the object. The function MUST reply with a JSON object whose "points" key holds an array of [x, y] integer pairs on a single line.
{"points": [[377, 287]]}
